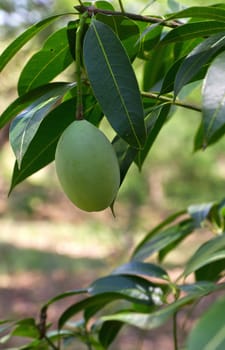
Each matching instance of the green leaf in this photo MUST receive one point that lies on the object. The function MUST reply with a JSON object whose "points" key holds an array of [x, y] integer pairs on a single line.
{"points": [[41, 150], [136, 268], [26, 124], [162, 239], [46, 64], [117, 91], [209, 251], [193, 30], [21, 103], [156, 230], [108, 332], [207, 12], [213, 270], [151, 320], [201, 212], [132, 286], [21, 40], [214, 99], [209, 332], [198, 57], [126, 30]]}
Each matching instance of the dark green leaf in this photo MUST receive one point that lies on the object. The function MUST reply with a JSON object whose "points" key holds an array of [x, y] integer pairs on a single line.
{"points": [[157, 229], [193, 30], [26, 124], [126, 30], [41, 150], [193, 63], [139, 268], [213, 99], [108, 332], [209, 251], [208, 334], [213, 270], [117, 91], [163, 238], [21, 40], [149, 38], [46, 64]]}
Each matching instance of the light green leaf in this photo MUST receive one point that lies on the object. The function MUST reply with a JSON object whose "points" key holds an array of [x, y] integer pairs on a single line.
{"points": [[46, 64], [114, 83], [214, 99], [209, 251], [26, 124], [208, 12], [21, 40], [209, 332]]}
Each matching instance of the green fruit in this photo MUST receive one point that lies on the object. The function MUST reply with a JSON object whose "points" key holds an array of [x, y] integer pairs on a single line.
{"points": [[87, 166]]}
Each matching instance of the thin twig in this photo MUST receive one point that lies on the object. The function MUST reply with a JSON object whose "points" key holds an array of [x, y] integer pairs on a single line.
{"points": [[171, 100], [121, 6], [175, 340], [91, 10]]}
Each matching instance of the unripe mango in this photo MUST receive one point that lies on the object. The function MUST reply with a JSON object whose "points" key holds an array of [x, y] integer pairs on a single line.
{"points": [[87, 166]]}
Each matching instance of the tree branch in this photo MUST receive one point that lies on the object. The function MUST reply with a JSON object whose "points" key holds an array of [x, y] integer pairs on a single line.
{"points": [[171, 100], [91, 10]]}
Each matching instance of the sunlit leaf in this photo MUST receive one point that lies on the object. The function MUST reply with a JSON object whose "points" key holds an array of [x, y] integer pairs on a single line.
{"points": [[208, 12]]}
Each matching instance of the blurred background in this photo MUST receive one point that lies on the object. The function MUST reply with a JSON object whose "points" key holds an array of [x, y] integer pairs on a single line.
{"points": [[48, 246]]}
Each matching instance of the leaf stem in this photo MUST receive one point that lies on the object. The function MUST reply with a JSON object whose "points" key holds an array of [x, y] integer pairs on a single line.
{"points": [[91, 10], [175, 340], [79, 109], [176, 102], [121, 6]]}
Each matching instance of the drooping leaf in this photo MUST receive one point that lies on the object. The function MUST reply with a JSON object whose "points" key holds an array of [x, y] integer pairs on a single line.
{"points": [[46, 64], [201, 212], [209, 251], [193, 30], [137, 268], [213, 270], [41, 150], [117, 91], [213, 118], [198, 57], [157, 229], [208, 333], [160, 240], [21, 40], [108, 332], [26, 124]]}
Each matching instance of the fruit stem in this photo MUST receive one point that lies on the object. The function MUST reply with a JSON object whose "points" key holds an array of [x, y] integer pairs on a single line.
{"points": [[79, 109]]}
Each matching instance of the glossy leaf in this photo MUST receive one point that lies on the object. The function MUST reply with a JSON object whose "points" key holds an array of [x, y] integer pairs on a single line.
{"points": [[209, 251], [208, 333], [193, 30], [198, 57], [213, 270], [22, 39], [137, 268], [117, 91], [201, 212], [21, 103], [26, 124], [41, 150], [214, 99], [126, 30], [46, 64], [96, 302]]}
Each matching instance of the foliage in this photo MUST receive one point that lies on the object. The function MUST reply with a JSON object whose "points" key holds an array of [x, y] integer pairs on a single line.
{"points": [[172, 53]]}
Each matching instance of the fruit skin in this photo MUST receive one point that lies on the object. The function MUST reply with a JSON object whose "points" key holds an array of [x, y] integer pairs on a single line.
{"points": [[87, 166]]}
